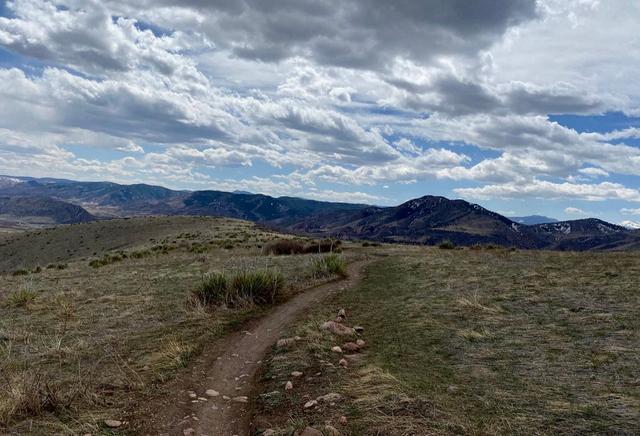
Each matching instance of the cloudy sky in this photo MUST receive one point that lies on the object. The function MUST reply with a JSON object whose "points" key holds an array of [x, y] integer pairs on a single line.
{"points": [[522, 106]]}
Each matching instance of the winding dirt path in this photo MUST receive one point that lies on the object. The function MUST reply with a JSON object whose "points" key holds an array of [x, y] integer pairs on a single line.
{"points": [[230, 369]]}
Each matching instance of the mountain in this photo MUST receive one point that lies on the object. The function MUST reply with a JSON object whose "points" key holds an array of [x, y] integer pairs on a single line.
{"points": [[425, 220], [282, 211], [586, 234], [532, 220], [38, 211], [105, 199]]}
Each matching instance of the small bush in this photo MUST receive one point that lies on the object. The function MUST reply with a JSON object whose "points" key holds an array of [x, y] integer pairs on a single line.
{"points": [[20, 272], [107, 259], [331, 264], [446, 245], [283, 247], [21, 298], [140, 254]]}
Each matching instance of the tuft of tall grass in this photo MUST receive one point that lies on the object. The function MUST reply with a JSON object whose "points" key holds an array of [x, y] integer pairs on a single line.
{"points": [[212, 289], [258, 287], [21, 298], [262, 287], [330, 264]]}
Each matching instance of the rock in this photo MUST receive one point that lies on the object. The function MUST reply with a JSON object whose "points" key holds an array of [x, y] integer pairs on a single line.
{"points": [[240, 399], [343, 363], [212, 393], [330, 430], [112, 423], [350, 346], [286, 342], [332, 397], [310, 404], [146, 368], [193, 395], [342, 313], [336, 349], [343, 420], [337, 328], [296, 374], [310, 431], [188, 432], [288, 386], [452, 388], [361, 343], [359, 330]]}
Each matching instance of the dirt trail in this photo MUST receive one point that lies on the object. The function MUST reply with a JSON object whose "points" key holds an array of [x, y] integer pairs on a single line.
{"points": [[230, 369]]}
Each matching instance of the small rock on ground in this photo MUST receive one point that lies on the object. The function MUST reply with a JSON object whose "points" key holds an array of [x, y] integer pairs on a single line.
{"points": [[112, 423], [310, 431], [310, 404], [336, 349], [212, 393], [288, 386], [330, 430], [240, 399], [296, 374]]}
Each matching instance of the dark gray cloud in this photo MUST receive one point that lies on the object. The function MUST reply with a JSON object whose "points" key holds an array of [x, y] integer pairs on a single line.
{"points": [[355, 34]]}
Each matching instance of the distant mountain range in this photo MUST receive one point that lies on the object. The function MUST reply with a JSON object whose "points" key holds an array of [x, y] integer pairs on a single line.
{"points": [[425, 220]]}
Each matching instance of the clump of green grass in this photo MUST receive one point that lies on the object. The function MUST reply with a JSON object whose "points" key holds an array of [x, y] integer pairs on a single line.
{"points": [[447, 245], [259, 287], [212, 289], [262, 287], [330, 264], [21, 298]]}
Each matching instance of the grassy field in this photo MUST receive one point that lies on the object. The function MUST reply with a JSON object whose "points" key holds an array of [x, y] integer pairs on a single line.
{"points": [[85, 327], [473, 342]]}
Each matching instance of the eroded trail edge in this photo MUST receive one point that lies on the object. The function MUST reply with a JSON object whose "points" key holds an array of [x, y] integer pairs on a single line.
{"points": [[213, 397]]}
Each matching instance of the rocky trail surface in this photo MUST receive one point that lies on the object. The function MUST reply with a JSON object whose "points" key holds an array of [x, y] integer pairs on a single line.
{"points": [[214, 396]]}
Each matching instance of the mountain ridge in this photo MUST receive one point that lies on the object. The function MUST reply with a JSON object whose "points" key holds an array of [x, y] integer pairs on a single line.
{"points": [[425, 220]]}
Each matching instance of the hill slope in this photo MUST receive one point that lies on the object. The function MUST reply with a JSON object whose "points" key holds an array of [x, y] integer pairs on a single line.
{"points": [[41, 211]]}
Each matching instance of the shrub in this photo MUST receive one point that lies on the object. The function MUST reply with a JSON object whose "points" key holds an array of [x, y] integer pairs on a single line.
{"points": [[324, 246], [283, 247], [20, 272], [447, 245], [331, 264], [21, 298], [107, 259]]}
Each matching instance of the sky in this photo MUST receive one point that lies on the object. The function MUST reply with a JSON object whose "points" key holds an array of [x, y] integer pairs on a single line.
{"points": [[522, 106]]}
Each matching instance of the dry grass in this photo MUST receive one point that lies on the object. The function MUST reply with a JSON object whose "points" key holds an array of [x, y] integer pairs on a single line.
{"points": [[114, 331], [487, 342]]}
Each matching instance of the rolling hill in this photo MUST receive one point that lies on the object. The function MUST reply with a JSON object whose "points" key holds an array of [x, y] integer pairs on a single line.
{"points": [[40, 211]]}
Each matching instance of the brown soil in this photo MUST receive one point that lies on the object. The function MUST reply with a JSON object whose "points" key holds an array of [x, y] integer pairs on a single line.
{"points": [[229, 368]]}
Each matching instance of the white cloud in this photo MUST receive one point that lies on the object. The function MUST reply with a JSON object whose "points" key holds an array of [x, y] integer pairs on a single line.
{"points": [[550, 190], [574, 211]]}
